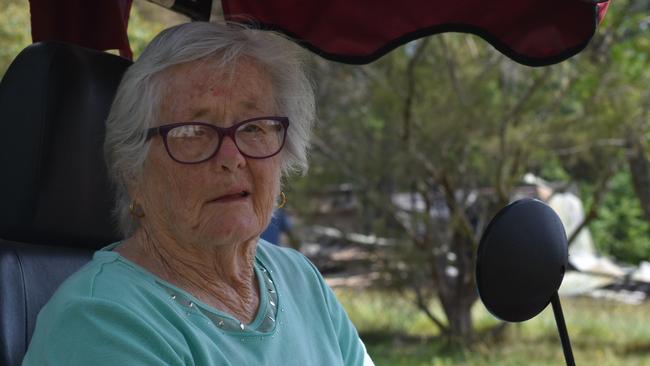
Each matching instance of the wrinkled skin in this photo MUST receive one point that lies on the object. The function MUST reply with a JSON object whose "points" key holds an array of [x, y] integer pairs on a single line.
{"points": [[188, 238]]}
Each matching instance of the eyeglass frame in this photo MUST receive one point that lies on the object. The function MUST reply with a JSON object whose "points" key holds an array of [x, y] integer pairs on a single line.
{"points": [[222, 132]]}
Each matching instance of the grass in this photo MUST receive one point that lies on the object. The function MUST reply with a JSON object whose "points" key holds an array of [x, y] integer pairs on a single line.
{"points": [[602, 333]]}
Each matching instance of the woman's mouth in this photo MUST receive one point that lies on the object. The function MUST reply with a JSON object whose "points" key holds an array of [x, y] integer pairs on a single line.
{"points": [[231, 197]]}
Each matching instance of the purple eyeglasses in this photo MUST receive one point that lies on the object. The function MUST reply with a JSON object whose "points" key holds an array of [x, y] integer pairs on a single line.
{"points": [[196, 142]]}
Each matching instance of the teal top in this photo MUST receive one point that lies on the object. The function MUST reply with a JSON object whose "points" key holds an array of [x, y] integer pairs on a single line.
{"points": [[114, 312]]}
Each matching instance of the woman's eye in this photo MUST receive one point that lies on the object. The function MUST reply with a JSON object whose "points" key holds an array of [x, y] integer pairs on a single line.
{"points": [[251, 128]]}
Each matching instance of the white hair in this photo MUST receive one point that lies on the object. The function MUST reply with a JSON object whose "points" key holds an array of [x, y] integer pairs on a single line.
{"points": [[139, 95]]}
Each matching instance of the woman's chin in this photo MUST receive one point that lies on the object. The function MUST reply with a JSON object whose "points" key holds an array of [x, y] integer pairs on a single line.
{"points": [[231, 230]]}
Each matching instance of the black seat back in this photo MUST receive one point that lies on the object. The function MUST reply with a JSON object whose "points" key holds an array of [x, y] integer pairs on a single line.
{"points": [[29, 275], [56, 199]]}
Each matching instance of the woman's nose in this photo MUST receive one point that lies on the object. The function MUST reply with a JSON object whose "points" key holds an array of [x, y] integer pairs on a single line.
{"points": [[229, 157]]}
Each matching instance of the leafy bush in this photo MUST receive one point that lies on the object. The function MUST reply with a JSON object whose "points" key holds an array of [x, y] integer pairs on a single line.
{"points": [[621, 230]]}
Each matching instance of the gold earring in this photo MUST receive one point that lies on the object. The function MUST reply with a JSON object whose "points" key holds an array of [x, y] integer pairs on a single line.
{"points": [[283, 197], [136, 210]]}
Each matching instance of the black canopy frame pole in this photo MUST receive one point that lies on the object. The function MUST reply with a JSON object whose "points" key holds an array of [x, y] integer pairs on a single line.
{"points": [[561, 328]]}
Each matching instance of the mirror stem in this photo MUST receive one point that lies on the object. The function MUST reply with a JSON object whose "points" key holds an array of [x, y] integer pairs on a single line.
{"points": [[561, 328]]}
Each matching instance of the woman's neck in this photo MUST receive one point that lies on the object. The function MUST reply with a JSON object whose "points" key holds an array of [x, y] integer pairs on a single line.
{"points": [[221, 276]]}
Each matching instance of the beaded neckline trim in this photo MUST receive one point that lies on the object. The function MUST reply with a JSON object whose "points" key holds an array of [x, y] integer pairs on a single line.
{"points": [[230, 323]]}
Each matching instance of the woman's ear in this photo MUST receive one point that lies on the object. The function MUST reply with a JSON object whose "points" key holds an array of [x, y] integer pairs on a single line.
{"points": [[134, 188]]}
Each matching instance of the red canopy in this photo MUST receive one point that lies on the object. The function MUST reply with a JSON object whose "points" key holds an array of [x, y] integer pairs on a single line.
{"points": [[532, 32], [98, 24]]}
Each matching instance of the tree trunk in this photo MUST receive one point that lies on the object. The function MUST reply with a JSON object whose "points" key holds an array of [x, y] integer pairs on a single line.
{"points": [[458, 311], [640, 170], [458, 293]]}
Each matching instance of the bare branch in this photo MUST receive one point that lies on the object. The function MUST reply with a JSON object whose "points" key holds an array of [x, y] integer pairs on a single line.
{"points": [[425, 308], [612, 142], [515, 113], [458, 214], [331, 154], [512, 117], [639, 164], [597, 197], [450, 62], [410, 86]]}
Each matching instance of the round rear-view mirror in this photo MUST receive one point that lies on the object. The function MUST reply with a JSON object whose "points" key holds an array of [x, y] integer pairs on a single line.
{"points": [[521, 260]]}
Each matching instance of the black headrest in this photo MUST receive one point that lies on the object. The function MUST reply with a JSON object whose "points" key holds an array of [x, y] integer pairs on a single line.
{"points": [[54, 100]]}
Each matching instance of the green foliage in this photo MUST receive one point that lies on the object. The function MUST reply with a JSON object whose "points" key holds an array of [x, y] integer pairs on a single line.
{"points": [[621, 230], [457, 113], [602, 333], [460, 114], [551, 170], [15, 31], [145, 22]]}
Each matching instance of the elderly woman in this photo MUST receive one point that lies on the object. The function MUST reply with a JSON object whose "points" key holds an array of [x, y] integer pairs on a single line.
{"points": [[202, 129]]}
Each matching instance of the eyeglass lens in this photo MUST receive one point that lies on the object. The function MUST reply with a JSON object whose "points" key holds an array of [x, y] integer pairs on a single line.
{"points": [[256, 139]]}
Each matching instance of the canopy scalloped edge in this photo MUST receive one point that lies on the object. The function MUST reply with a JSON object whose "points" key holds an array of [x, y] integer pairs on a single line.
{"points": [[530, 32], [438, 29]]}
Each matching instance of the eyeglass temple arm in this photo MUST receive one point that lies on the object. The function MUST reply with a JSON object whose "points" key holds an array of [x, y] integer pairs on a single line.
{"points": [[152, 132]]}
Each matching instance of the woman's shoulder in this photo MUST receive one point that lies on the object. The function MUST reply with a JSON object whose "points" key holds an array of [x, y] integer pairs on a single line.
{"points": [[282, 257], [85, 323], [105, 278], [290, 267], [103, 301]]}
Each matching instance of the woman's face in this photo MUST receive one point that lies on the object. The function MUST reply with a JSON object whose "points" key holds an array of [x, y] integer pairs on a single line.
{"points": [[202, 203]]}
